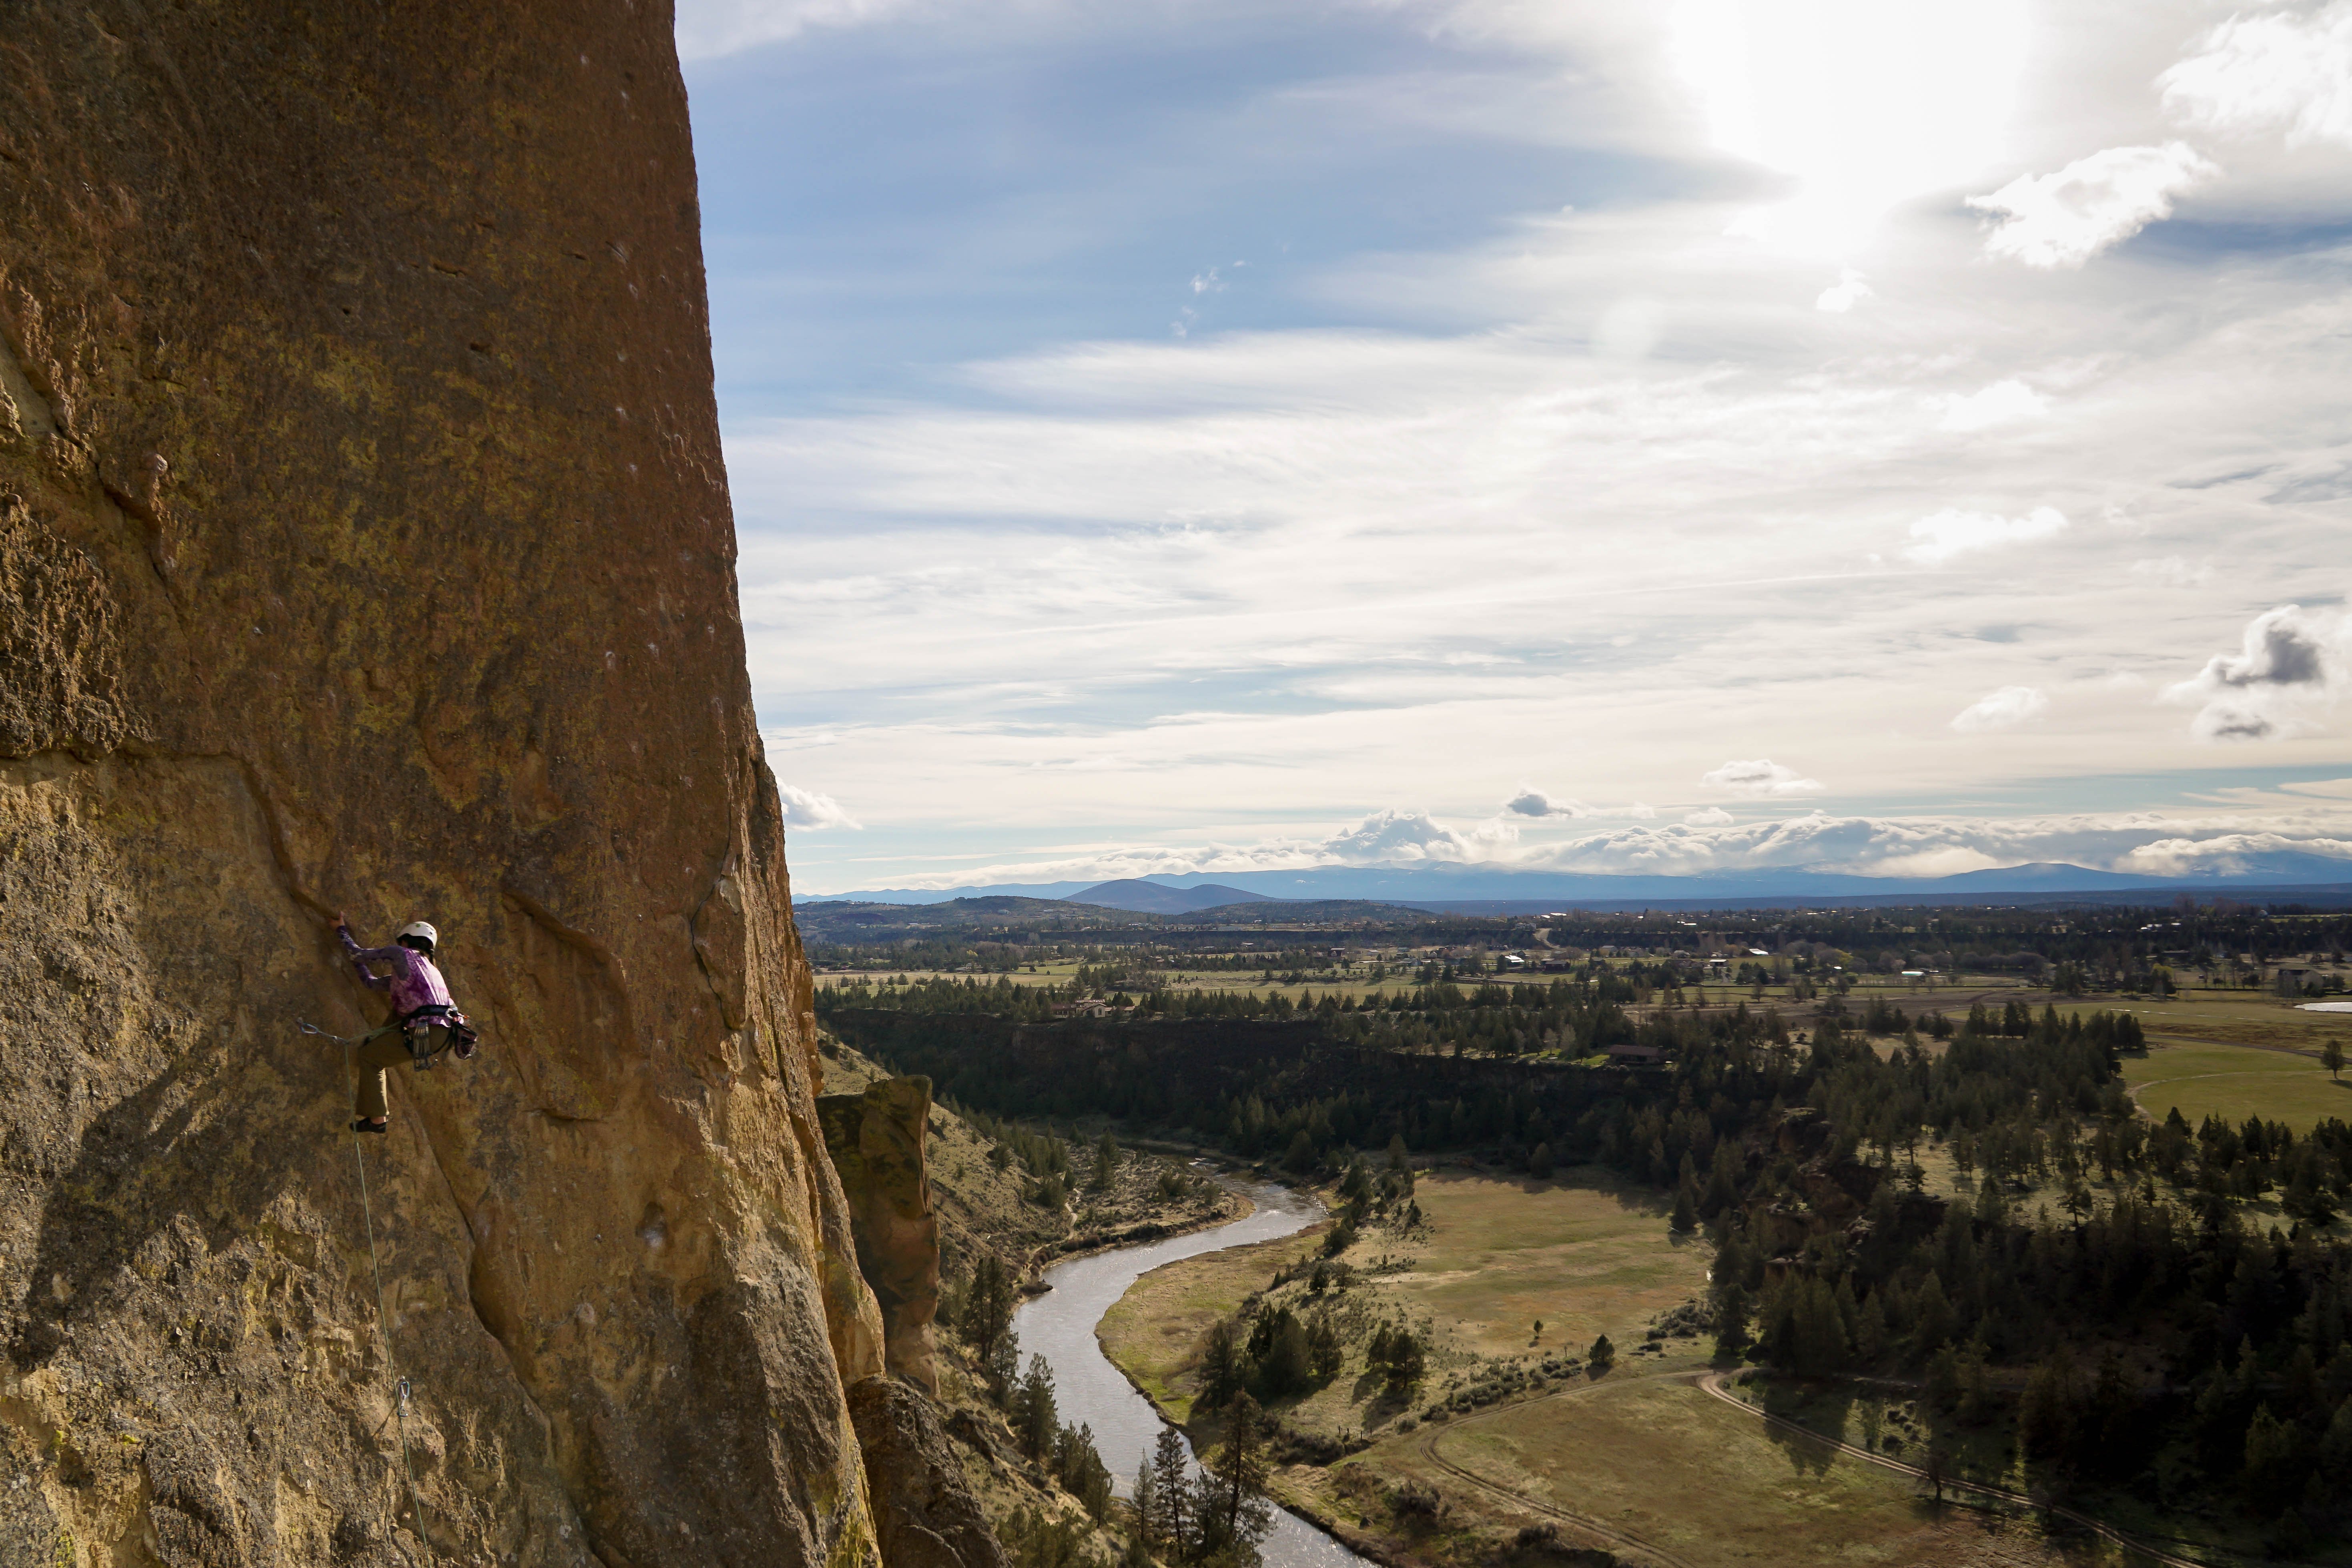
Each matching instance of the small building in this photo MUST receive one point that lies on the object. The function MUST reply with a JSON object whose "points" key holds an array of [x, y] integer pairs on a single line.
{"points": [[1631, 1055]]}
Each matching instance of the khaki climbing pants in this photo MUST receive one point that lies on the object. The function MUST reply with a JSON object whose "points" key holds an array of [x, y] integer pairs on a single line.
{"points": [[390, 1050]]}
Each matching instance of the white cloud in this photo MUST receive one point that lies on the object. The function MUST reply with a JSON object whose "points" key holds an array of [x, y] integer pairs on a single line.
{"points": [[2289, 661], [1843, 295], [2003, 710], [1397, 835], [2294, 846], [811, 812], [2282, 70], [1949, 532], [2175, 570], [2228, 854], [1532, 802], [2064, 219], [1759, 776], [2002, 403]]}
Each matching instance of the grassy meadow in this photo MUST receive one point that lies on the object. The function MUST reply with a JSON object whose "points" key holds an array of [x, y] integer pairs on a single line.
{"points": [[1515, 1431]]}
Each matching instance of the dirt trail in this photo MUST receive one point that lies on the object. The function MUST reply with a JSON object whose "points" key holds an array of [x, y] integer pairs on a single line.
{"points": [[1606, 1534]]}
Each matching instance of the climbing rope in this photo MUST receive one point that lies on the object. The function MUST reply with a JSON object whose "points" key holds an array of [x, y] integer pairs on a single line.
{"points": [[376, 1265]]}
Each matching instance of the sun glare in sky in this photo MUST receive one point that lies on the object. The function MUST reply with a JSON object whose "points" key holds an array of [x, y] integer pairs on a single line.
{"points": [[1864, 104]]}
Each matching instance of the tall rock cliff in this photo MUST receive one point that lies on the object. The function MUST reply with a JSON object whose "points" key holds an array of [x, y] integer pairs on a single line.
{"points": [[365, 546]]}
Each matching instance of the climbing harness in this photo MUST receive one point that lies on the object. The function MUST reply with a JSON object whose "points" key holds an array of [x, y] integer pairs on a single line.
{"points": [[382, 1319]]}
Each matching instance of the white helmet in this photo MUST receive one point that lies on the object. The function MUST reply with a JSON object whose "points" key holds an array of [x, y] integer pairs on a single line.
{"points": [[419, 928]]}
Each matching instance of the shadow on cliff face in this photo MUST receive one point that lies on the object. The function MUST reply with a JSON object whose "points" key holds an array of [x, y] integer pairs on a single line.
{"points": [[161, 1156]]}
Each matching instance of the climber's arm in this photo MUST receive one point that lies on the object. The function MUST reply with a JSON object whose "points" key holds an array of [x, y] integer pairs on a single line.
{"points": [[361, 957]]}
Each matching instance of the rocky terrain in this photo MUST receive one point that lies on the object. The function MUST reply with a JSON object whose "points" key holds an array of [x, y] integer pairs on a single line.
{"points": [[366, 545]]}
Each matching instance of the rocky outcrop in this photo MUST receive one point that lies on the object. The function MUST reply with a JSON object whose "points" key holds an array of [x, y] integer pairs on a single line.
{"points": [[922, 1506], [876, 1141], [365, 543]]}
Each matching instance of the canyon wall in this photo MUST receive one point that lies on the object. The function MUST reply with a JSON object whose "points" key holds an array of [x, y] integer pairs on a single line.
{"points": [[876, 1138], [365, 546]]}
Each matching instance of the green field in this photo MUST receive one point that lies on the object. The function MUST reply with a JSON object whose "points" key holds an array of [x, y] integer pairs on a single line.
{"points": [[2235, 1082], [1586, 1254], [1654, 1460]]}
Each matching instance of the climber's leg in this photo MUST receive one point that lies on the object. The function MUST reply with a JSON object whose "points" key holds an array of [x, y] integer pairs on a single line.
{"points": [[378, 1054]]}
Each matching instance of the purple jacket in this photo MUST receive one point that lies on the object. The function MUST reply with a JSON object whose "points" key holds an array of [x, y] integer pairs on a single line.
{"points": [[413, 982]]}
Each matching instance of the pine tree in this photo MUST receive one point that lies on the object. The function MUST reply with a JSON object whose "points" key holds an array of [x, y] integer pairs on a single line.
{"points": [[1143, 1502], [1223, 1370], [1232, 1514], [1035, 1420], [1171, 1478], [988, 1305]]}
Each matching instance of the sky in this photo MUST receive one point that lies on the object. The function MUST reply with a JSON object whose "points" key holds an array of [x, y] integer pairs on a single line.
{"points": [[1176, 436]]}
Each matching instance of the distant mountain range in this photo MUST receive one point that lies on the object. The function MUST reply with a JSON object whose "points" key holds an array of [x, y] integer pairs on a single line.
{"points": [[1446, 886], [1149, 898]]}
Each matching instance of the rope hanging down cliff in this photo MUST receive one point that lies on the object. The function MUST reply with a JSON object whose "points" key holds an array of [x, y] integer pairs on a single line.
{"points": [[375, 1268]]}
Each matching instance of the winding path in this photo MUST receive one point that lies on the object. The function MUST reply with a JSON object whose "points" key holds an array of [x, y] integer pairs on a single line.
{"points": [[1712, 1384], [1609, 1534]]}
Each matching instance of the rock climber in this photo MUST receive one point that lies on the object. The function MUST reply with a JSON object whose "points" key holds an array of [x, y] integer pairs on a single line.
{"points": [[424, 1022]]}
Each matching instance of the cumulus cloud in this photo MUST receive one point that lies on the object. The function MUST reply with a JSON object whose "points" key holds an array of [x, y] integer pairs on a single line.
{"points": [[2294, 847], [1396, 835], [2281, 72], [812, 812], [1843, 295], [2233, 855], [1759, 776], [2290, 660], [2002, 403], [2064, 219], [1936, 540], [1532, 802], [2003, 710]]}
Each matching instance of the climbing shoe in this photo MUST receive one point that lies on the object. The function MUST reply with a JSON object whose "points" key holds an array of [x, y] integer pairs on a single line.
{"points": [[365, 1126]]}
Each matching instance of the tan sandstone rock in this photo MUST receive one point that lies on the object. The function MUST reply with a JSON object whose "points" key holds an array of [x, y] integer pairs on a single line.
{"points": [[922, 1507], [365, 543], [875, 1139]]}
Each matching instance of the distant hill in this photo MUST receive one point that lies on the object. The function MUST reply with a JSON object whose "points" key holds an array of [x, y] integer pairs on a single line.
{"points": [[839, 921], [1497, 890], [1159, 899], [2035, 876], [1301, 911]]}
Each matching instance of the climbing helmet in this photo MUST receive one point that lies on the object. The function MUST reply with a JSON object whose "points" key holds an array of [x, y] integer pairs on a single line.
{"points": [[420, 928]]}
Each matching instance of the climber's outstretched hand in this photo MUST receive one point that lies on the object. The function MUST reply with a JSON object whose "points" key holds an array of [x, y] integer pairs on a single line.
{"points": [[338, 922]]}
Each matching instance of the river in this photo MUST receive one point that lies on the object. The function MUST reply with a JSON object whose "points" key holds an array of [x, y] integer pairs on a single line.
{"points": [[1060, 1326]]}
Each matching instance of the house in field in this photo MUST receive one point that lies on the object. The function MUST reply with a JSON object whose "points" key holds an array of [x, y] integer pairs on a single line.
{"points": [[1630, 1054]]}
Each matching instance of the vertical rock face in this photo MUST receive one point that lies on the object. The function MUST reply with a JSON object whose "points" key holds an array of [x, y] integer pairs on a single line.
{"points": [[365, 546], [875, 1139], [923, 1508]]}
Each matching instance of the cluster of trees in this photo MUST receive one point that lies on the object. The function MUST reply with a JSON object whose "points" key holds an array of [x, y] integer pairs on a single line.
{"points": [[1216, 1515], [1277, 1358], [2250, 1330], [1066, 1453]]}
